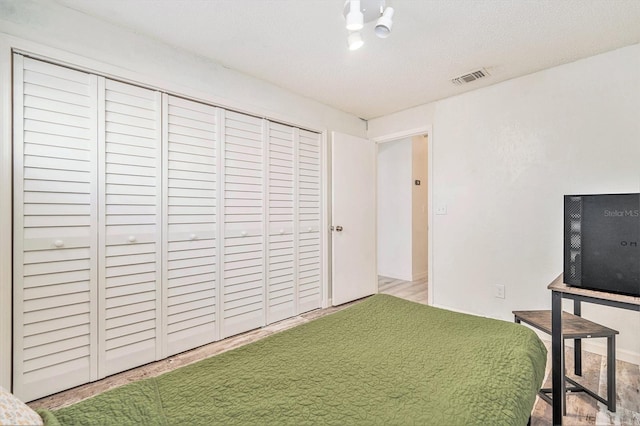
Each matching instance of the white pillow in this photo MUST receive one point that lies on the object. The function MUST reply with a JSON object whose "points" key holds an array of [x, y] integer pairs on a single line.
{"points": [[15, 412]]}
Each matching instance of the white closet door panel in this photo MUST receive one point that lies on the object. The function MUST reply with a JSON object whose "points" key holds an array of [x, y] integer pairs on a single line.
{"points": [[243, 207], [193, 262], [284, 204], [231, 169], [189, 123], [51, 71], [243, 153], [281, 261], [244, 248], [198, 188], [129, 139], [55, 247], [185, 209], [181, 192], [37, 341], [238, 232], [194, 253], [234, 186], [281, 284], [43, 76], [194, 270], [190, 175], [54, 290], [309, 222], [137, 288], [191, 219], [244, 265], [194, 282], [244, 210], [130, 236], [278, 244], [281, 235], [191, 158]]}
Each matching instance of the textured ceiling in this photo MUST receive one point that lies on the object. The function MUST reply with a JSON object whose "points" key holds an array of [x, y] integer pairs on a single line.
{"points": [[300, 45]]}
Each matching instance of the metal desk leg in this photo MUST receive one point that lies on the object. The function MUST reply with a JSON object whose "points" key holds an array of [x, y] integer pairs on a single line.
{"points": [[577, 349], [557, 360], [611, 373]]}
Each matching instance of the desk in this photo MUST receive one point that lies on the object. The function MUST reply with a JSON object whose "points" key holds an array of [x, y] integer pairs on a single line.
{"points": [[559, 291]]}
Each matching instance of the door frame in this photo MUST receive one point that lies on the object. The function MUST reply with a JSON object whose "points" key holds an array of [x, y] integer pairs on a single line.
{"points": [[6, 213], [428, 131]]}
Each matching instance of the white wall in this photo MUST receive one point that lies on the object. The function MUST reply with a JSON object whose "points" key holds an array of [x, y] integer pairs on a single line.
{"points": [[503, 156], [394, 209], [50, 30]]}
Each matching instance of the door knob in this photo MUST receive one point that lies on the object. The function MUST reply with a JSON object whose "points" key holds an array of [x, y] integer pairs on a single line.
{"points": [[339, 228]]}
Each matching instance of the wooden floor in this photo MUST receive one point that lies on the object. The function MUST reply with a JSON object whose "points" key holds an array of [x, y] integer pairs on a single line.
{"points": [[581, 409], [416, 291]]}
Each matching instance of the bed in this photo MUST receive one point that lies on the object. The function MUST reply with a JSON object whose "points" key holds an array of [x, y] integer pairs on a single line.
{"points": [[381, 361]]}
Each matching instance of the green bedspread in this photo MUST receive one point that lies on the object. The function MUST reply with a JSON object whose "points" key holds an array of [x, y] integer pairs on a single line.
{"points": [[382, 361]]}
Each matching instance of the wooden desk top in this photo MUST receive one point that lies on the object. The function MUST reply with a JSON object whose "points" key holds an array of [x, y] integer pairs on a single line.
{"points": [[559, 285]]}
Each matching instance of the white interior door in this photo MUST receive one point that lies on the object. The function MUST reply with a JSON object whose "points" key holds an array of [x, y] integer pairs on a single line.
{"points": [[353, 218]]}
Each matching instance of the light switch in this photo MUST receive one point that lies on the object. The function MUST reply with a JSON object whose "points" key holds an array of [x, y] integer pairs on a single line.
{"points": [[441, 209]]}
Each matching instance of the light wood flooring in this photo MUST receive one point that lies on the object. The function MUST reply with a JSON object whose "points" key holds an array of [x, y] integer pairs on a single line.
{"points": [[581, 409]]}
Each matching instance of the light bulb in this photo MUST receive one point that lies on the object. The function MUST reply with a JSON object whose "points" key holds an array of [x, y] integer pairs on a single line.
{"points": [[384, 24], [355, 41]]}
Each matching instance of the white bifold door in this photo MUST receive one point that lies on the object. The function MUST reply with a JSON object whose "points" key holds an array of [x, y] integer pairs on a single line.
{"points": [[243, 270], [130, 193], [293, 222], [55, 228], [191, 234], [146, 224], [87, 218]]}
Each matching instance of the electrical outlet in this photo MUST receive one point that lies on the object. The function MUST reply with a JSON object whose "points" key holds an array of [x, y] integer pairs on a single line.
{"points": [[500, 291]]}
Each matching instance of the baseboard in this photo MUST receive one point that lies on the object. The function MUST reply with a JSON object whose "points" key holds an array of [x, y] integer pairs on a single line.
{"points": [[460, 311]]}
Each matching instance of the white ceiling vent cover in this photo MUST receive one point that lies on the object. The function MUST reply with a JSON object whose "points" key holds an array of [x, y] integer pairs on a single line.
{"points": [[469, 77]]}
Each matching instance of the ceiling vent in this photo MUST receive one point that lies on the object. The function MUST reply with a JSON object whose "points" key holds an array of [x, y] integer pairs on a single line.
{"points": [[469, 77]]}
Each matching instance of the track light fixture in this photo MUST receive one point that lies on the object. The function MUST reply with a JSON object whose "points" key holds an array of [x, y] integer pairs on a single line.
{"points": [[384, 24], [355, 17], [359, 12]]}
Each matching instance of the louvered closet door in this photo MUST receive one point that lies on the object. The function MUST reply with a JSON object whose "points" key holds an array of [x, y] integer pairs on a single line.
{"points": [[130, 229], [191, 263], [309, 223], [55, 234], [243, 275], [281, 291]]}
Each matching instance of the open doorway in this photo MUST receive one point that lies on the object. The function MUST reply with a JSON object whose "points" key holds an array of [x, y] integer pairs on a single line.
{"points": [[402, 205]]}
